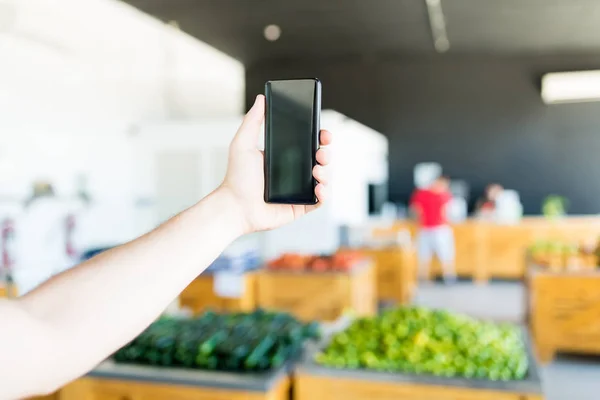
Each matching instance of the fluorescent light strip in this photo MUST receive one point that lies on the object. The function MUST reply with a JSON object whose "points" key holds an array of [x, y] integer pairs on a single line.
{"points": [[571, 87], [437, 22]]}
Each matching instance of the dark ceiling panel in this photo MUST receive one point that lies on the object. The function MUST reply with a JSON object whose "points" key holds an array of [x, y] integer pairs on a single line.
{"points": [[523, 26], [368, 28], [310, 28]]}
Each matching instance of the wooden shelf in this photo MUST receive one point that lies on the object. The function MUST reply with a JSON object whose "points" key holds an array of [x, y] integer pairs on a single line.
{"points": [[486, 250], [563, 311], [396, 273], [319, 296], [122, 382], [313, 381], [200, 296]]}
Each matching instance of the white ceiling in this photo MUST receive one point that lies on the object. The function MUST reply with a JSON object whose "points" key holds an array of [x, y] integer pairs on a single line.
{"points": [[106, 59]]}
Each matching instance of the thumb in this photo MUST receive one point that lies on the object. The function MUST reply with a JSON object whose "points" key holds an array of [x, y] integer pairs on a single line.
{"points": [[249, 132]]}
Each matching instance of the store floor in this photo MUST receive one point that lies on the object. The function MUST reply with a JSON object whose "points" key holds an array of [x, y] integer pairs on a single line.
{"points": [[567, 378]]}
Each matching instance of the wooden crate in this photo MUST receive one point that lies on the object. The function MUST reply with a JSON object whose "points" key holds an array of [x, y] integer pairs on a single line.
{"points": [[312, 381], [568, 230], [5, 291], [470, 241], [147, 383], [563, 262], [507, 244], [54, 396], [564, 311], [396, 273], [322, 296], [506, 247], [471, 249], [309, 387], [486, 250], [200, 296]]}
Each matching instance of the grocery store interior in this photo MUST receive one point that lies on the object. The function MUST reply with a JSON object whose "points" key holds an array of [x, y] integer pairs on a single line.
{"points": [[455, 256]]}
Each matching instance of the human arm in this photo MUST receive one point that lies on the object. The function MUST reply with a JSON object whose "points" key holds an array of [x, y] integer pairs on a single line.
{"points": [[65, 327], [72, 322]]}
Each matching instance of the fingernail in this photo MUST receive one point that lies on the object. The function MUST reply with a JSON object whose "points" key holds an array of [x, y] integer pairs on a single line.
{"points": [[257, 99]]}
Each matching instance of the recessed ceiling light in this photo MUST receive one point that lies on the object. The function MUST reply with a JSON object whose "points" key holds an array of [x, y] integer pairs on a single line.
{"points": [[272, 32]]}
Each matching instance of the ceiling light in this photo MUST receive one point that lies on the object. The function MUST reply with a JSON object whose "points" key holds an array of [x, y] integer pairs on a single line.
{"points": [[442, 44], [272, 32], [437, 23], [571, 87]]}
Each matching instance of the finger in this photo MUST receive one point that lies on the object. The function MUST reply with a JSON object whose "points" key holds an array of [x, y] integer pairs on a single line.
{"points": [[249, 132], [320, 173], [325, 137], [321, 192], [323, 156]]}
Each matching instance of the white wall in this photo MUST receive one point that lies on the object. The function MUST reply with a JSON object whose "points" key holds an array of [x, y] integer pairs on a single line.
{"points": [[360, 157], [108, 59], [77, 77], [209, 140]]}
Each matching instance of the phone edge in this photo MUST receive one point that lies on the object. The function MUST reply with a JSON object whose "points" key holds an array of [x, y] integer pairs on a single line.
{"points": [[316, 132], [266, 163], [315, 138]]}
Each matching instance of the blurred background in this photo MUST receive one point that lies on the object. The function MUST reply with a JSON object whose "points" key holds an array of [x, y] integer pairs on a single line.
{"points": [[116, 115]]}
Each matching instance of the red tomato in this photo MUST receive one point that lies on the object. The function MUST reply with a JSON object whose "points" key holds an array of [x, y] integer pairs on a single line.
{"points": [[320, 265]]}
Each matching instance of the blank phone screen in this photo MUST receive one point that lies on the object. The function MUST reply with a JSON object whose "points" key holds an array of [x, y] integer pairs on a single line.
{"points": [[291, 140]]}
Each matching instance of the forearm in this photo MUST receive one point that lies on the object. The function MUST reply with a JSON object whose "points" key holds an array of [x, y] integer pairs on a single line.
{"points": [[65, 327], [95, 308]]}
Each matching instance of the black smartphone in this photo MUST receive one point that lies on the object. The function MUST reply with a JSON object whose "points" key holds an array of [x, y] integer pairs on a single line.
{"points": [[292, 126]]}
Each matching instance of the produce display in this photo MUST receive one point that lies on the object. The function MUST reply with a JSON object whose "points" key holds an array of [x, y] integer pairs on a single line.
{"points": [[423, 341], [256, 341], [560, 255], [342, 261], [554, 206]]}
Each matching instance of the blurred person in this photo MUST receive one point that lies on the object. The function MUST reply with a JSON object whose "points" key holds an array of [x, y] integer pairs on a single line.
{"points": [[435, 236], [486, 205], [68, 325], [40, 190], [41, 237]]}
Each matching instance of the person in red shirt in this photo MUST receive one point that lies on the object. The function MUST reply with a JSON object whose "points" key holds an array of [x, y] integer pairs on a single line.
{"points": [[435, 236], [486, 206]]}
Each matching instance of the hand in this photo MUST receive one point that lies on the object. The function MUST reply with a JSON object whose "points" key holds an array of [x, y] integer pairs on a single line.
{"points": [[245, 176]]}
